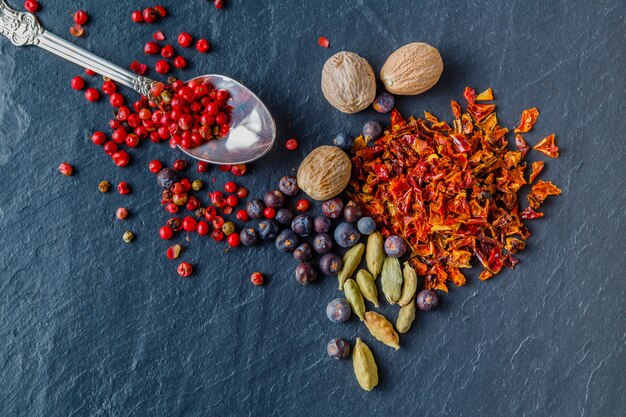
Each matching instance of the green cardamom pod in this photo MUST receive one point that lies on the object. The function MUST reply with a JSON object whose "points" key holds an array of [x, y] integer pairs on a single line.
{"points": [[375, 254], [391, 279], [364, 365], [406, 316], [351, 261], [409, 284], [367, 286], [355, 298], [381, 329]]}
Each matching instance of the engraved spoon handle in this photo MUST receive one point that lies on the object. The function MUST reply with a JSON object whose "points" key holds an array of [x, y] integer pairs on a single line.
{"points": [[24, 29]]}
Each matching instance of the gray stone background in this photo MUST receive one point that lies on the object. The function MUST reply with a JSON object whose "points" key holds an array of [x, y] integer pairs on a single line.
{"points": [[90, 326]]}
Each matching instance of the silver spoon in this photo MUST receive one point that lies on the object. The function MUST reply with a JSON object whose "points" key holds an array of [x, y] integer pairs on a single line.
{"points": [[252, 132]]}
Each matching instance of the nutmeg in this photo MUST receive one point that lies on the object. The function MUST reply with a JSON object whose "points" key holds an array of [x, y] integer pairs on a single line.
{"points": [[348, 82], [412, 69], [324, 173]]}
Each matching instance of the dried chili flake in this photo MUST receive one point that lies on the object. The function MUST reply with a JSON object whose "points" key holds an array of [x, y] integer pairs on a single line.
{"points": [[452, 193], [323, 42], [547, 147], [528, 214], [540, 191], [536, 167], [529, 118]]}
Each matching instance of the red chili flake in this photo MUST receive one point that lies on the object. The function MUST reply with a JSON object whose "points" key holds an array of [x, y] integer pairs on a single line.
{"points": [[138, 67], [528, 214], [323, 42], [451, 193], [158, 36], [521, 145], [547, 147], [529, 118], [540, 191], [536, 167]]}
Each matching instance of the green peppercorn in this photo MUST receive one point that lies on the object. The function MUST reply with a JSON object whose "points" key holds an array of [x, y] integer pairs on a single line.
{"points": [[166, 96], [196, 185], [180, 199], [104, 186], [228, 228], [128, 236]]}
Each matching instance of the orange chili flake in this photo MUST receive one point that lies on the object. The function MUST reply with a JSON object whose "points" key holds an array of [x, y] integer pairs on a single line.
{"points": [[486, 95], [323, 42], [451, 193], [536, 167], [547, 147], [540, 191], [529, 118], [528, 213]]}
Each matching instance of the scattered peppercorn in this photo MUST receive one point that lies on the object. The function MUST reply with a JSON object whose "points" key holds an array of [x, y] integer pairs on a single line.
{"points": [[78, 83], [128, 236], [66, 169], [104, 186], [123, 188], [257, 278], [121, 213], [184, 269], [291, 144], [197, 185]]}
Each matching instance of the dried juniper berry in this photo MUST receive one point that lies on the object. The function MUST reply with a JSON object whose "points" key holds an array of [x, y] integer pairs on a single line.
{"points": [[322, 243], [286, 241], [288, 185], [255, 208], [302, 224]]}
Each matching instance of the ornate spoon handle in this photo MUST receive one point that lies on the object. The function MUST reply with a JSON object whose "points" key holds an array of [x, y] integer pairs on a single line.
{"points": [[24, 29]]}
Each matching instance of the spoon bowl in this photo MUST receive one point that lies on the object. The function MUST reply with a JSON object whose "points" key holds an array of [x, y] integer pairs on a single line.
{"points": [[252, 128]]}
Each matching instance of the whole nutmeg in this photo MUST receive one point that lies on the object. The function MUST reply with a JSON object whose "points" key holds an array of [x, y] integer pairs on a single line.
{"points": [[324, 173], [412, 69], [348, 82]]}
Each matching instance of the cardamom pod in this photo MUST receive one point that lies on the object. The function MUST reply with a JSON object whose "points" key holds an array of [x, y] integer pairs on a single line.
{"points": [[351, 261], [381, 329], [355, 298], [406, 316], [409, 284], [367, 286], [364, 365], [391, 279], [375, 254]]}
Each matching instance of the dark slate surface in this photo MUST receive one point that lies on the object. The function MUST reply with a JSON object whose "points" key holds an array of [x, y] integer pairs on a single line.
{"points": [[91, 326]]}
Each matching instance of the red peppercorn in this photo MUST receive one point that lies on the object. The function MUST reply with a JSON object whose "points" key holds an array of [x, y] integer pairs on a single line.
{"points": [[121, 158], [234, 240], [203, 166], [230, 187], [116, 100], [180, 62], [175, 223], [269, 213], [177, 188], [242, 192], [238, 170], [242, 215], [90, 72], [173, 252], [109, 87], [166, 232], [123, 113], [91, 94], [257, 278], [167, 52], [155, 166], [217, 235], [158, 36], [190, 224], [136, 16], [203, 228], [221, 118], [232, 200], [149, 15], [227, 210], [132, 140], [185, 40], [98, 138], [302, 205], [225, 168], [171, 208], [291, 144], [110, 147], [162, 67], [151, 48], [219, 4], [66, 169], [78, 83], [119, 135], [179, 165], [31, 5], [160, 11], [210, 213], [123, 188], [81, 17], [203, 46], [121, 213], [184, 269], [218, 222], [192, 204]]}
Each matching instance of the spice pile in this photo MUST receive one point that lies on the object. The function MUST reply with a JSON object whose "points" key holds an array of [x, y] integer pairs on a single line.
{"points": [[452, 191]]}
